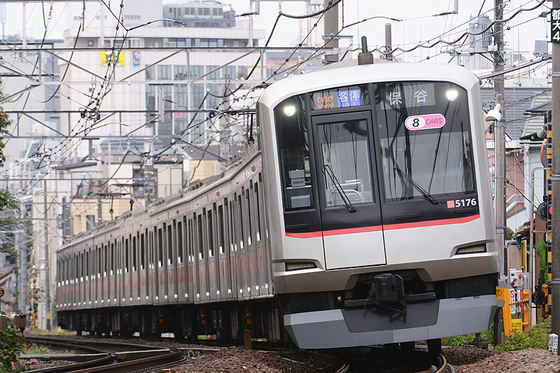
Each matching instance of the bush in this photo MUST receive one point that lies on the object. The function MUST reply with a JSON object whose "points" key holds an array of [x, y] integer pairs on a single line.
{"points": [[487, 336], [12, 340], [536, 337]]}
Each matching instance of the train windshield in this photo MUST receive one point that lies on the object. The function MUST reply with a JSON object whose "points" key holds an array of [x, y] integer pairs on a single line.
{"points": [[425, 140]]}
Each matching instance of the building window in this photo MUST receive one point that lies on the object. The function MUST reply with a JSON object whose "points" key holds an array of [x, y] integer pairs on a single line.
{"points": [[164, 72], [196, 71], [150, 73]]}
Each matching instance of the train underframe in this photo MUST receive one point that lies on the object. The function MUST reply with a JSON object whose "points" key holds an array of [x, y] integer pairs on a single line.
{"points": [[225, 322], [381, 308]]}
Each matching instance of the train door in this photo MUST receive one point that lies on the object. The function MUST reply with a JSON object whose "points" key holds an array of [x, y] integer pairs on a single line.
{"points": [[213, 278], [143, 270], [202, 293], [181, 262], [224, 264], [348, 194], [112, 274], [106, 274], [162, 264], [191, 263]]}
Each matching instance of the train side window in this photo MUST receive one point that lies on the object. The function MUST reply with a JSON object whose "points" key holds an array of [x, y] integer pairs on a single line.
{"points": [[160, 247], [249, 214], [87, 265], [99, 262], [118, 257], [221, 232], [200, 237], [170, 230], [240, 225], [257, 210], [151, 248], [134, 253], [190, 245], [293, 147], [180, 241], [233, 226], [106, 260], [142, 251], [210, 234], [126, 255], [112, 268]]}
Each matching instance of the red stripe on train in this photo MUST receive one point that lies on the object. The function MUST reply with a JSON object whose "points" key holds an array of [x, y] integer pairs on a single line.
{"points": [[379, 228]]}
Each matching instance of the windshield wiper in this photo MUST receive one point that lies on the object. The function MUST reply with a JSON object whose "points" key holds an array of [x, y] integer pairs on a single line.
{"points": [[416, 186], [339, 188]]}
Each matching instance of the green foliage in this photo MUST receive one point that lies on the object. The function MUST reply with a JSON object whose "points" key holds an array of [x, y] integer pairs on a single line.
{"points": [[509, 233], [487, 336], [12, 340], [33, 349], [540, 248], [4, 124], [536, 337]]}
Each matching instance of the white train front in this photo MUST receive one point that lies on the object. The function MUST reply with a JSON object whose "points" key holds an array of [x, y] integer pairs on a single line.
{"points": [[375, 224]]}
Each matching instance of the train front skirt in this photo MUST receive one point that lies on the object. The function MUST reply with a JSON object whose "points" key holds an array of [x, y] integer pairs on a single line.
{"points": [[365, 327]]}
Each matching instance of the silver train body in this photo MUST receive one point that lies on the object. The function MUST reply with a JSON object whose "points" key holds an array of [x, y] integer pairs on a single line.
{"points": [[365, 217]]}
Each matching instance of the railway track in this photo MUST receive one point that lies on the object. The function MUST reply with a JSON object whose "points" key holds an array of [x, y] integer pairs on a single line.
{"points": [[104, 356]]}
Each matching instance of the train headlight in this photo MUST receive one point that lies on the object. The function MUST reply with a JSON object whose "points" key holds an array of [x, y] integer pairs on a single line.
{"points": [[471, 249], [300, 265], [452, 95], [289, 110]]}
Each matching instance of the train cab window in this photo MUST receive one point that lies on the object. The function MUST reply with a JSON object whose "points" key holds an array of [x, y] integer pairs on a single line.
{"points": [[346, 163], [425, 138], [293, 139]]}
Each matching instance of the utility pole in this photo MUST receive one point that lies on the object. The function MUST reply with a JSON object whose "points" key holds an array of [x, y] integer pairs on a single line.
{"points": [[46, 264], [499, 149], [555, 177], [331, 29]]}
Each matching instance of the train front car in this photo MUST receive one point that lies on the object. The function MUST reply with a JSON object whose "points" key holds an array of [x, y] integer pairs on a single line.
{"points": [[380, 205]]}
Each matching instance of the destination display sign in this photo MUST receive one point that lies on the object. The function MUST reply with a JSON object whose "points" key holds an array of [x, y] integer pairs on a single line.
{"points": [[338, 98], [409, 95]]}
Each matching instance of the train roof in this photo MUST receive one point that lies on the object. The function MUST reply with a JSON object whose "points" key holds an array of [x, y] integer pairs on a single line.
{"points": [[350, 73], [192, 192]]}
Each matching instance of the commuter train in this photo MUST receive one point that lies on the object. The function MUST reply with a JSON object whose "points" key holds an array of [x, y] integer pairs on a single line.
{"points": [[363, 216]]}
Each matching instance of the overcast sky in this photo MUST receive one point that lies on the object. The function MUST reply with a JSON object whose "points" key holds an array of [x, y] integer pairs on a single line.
{"points": [[419, 23]]}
